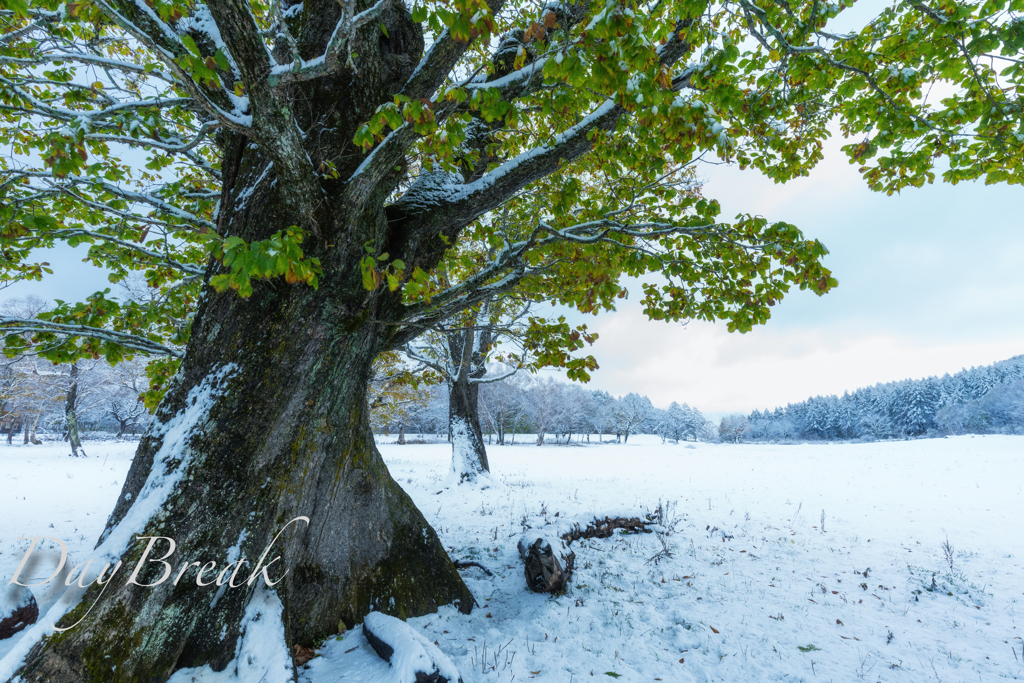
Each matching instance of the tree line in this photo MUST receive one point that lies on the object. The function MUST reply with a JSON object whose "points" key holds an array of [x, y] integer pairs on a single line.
{"points": [[982, 400], [542, 409]]}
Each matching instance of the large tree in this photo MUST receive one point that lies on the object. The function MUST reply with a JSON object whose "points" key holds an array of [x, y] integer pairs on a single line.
{"points": [[291, 177]]}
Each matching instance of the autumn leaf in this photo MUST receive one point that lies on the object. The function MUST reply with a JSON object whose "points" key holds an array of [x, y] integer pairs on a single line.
{"points": [[534, 32]]}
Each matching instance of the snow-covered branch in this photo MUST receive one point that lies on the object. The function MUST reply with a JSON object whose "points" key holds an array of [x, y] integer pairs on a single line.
{"points": [[169, 145], [141, 344], [330, 61], [137, 248], [166, 44], [68, 184]]}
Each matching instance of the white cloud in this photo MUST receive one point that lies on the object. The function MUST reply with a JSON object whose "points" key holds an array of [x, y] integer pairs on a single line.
{"points": [[929, 283], [707, 367]]}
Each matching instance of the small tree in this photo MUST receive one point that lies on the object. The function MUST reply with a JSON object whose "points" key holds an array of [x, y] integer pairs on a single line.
{"points": [[629, 412], [600, 415], [733, 427], [395, 394], [504, 402]]}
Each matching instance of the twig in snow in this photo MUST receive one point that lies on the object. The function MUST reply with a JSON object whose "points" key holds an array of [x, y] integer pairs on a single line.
{"points": [[947, 550]]}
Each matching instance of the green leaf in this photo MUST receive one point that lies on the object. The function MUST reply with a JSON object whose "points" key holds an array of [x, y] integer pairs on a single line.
{"points": [[19, 7], [190, 45], [221, 60]]}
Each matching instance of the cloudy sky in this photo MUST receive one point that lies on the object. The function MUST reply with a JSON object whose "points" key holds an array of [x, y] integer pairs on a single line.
{"points": [[930, 281]]}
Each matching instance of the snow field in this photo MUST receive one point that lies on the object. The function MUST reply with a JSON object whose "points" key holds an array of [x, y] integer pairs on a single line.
{"points": [[747, 560], [43, 492], [751, 589]]}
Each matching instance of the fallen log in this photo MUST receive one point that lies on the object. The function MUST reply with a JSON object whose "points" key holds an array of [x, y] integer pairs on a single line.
{"points": [[18, 609], [541, 566], [603, 528]]}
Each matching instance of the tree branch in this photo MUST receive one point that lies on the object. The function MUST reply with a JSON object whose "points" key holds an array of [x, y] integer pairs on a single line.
{"points": [[130, 341], [64, 185], [164, 42], [159, 258], [330, 61], [447, 208]]}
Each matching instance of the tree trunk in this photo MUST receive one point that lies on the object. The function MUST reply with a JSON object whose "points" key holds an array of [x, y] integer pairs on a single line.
{"points": [[32, 436], [469, 456], [70, 412], [266, 421], [26, 432], [401, 434]]}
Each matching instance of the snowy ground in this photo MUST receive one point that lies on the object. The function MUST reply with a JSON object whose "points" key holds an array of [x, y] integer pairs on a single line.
{"points": [[753, 589]]}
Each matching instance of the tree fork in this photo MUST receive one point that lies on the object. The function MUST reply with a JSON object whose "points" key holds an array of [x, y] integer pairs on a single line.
{"points": [[469, 455]]}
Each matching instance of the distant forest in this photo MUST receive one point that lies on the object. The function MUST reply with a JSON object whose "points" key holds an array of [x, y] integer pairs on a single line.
{"points": [[983, 400]]}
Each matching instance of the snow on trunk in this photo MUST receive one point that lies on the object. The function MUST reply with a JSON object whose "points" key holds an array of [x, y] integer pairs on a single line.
{"points": [[287, 437], [169, 465], [261, 653], [469, 459]]}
